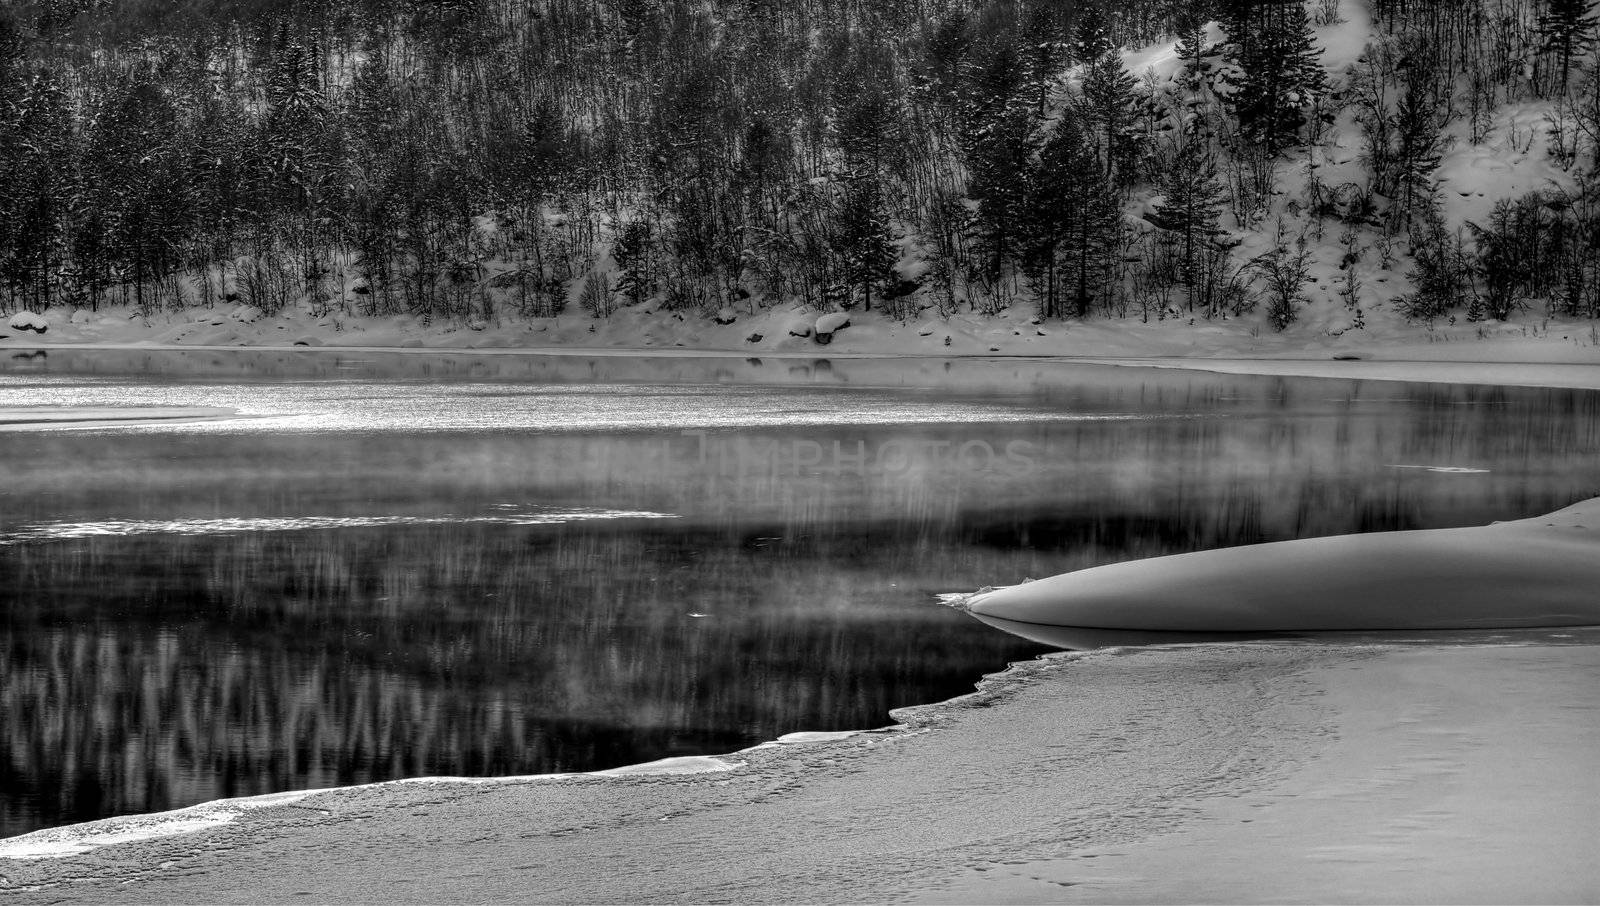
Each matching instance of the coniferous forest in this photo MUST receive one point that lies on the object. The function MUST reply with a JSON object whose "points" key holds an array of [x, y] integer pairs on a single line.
{"points": [[474, 159]]}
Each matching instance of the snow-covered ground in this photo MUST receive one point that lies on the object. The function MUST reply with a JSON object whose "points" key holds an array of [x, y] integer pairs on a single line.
{"points": [[1012, 332], [1544, 353], [1368, 772]]}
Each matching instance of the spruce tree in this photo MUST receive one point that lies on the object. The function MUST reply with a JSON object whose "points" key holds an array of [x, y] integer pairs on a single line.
{"points": [[998, 165], [1092, 37], [1108, 100], [1188, 214], [1071, 222], [866, 245], [1567, 28], [1193, 52], [36, 189], [1274, 69]]}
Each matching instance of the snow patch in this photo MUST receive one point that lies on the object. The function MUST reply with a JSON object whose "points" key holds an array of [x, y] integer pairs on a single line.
{"points": [[687, 764], [810, 736]]}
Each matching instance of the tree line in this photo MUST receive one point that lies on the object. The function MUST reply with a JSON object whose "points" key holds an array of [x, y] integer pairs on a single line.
{"points": [[459, 158]]}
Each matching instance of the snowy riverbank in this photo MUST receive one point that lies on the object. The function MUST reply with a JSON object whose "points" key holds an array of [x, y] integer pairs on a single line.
{"points": [[1230, 773], [1547, 354]]}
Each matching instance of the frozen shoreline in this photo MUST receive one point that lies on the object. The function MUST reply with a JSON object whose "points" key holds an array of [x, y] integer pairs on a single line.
{"points": [[1529, 352], [1499, 364], [1217, 773]]}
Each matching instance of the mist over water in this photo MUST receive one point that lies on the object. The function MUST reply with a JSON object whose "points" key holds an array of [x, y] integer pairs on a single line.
{"points": [[537, 564]]}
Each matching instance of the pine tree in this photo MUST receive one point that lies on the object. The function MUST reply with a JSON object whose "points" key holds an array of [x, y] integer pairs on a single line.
{"points": [[1071, 219], [1189, 213], [1092, 38], [868, 123], [37, 189], [866, 246], [633, 254], [1108, 100], [1193, 51], [1568, 29], [1046, 53], [1274, 69], [998, 164], [296, 120], [996, 83], [1420, 114]]}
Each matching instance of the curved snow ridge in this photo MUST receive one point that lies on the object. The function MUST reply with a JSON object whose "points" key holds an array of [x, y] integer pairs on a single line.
{"points": [[1529, 573], [57, 531], [77, 839]]}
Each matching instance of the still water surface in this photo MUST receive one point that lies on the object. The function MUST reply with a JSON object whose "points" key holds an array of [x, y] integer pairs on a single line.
{"points": [[401, 566]]}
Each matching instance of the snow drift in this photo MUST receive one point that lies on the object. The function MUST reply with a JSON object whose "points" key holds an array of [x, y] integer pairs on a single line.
{"points": [[1537, 572]]}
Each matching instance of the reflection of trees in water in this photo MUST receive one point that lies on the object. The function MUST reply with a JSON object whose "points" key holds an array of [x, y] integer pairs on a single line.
{"points": [[232, 666]]}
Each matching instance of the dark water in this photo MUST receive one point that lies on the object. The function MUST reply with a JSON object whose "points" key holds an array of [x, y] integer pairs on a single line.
{"points": [[484, 565]]}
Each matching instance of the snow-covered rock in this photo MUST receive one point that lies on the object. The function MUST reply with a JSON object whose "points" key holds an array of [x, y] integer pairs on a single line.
{"points": [[925, 330], [27, 320], [726, 315], [830, 324], [81, 316]]}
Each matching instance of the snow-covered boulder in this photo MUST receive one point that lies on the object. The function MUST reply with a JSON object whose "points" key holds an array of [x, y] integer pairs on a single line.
{"points": [[308, 340], [798, 328], [27, 320], [830, 324], [726, 315], [477, 324], [81, 316], [247, 314], [925, 330]]}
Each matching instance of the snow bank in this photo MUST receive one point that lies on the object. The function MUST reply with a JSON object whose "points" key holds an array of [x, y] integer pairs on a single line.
{"points": [[832, 323], [27, 320], [61, 842], [1529, 573], [77, 839]]}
